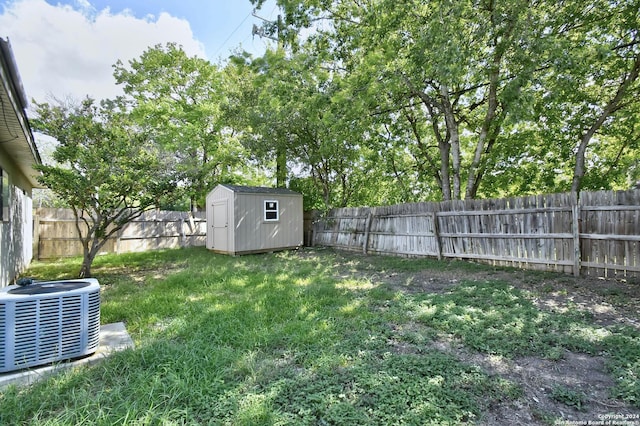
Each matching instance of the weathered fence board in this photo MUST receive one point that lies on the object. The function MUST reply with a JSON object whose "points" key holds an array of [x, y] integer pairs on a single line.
{"points": [[57, 234], [610, 233], [597, 235]]}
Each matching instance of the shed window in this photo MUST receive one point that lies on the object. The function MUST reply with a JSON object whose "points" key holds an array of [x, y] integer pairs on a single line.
{"points": [[271, 212], [4, 196]]}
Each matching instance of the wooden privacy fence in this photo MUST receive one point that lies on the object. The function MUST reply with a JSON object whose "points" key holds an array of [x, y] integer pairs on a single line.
{"points": [[597, 235], [55, 233]]}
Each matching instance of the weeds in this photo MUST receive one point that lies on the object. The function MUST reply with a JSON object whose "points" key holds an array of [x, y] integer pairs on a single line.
{"points": [[302, 339], [569, 397], [495, 318], [265, 339]]}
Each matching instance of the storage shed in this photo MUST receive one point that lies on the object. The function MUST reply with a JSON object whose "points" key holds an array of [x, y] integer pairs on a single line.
{"points": [[250, 219]]}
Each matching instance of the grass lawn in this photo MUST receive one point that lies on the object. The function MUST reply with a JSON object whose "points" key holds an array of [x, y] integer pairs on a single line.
{"points": [[319, 337]]}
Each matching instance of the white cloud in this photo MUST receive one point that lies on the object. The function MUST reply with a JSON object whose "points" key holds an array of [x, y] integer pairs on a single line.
{"points": [[62, 51]]}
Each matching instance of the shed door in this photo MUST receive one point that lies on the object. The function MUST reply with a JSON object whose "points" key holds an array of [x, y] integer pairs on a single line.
{"points": [[220, 226]]}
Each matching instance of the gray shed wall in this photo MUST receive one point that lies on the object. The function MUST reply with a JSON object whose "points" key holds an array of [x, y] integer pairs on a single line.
{"points": [[253, 233], [247, 231]]}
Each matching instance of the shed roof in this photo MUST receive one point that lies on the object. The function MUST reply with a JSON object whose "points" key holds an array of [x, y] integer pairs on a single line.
{"points": [[259, 190]]}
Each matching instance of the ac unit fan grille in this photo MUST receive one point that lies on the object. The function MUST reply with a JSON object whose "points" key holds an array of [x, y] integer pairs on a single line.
{"points": [[25, 333], [3, 332], [93, 336]]}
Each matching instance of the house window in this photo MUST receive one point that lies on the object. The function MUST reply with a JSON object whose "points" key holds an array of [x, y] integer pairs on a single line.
{"points": [[271, 212], [4, 196]]}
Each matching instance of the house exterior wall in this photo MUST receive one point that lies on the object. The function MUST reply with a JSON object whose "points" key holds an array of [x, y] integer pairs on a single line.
{"points": [[18, 156], [16, 234]]}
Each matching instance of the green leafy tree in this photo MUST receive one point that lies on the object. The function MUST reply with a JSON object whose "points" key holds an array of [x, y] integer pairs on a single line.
{"points": [[259, 94], [293, 104], [107, 171], [486, 98], [459, 66], [180, 101], [590, 94]]}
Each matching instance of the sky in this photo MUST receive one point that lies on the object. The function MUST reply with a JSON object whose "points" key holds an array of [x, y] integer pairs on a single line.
{"points": [[67, 48]]}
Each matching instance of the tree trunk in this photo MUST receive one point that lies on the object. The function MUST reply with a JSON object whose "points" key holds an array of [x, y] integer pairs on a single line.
{"points": [[445, 149], [91, 246], [85, 269], [434, 170], [612, 106], [444, 143], [91, 243], [454, 138], [281, 168], [473, 180]]}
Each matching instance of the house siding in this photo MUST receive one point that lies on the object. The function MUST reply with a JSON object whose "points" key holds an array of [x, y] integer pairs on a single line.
{"points": [[18, 156], [16, 234]]}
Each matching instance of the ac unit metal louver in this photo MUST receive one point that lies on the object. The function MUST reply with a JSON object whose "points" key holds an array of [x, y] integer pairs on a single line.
{"points": [[47, 322]]}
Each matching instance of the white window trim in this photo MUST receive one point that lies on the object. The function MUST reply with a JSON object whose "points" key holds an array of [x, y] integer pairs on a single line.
{"points": [[277, 211]]}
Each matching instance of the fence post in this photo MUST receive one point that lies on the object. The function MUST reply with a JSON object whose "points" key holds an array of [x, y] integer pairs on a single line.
{"points": [[575, 229], [183, 233], [192, 223], [436, 233], [36, 237], [367, 228], [118, 241]]}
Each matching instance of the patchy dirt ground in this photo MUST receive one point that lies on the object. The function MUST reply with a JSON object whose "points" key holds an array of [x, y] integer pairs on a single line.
{"points": [[609, 301]]}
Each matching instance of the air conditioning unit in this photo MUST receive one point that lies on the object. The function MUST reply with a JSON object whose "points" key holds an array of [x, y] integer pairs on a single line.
{"points": [[50, 321]]}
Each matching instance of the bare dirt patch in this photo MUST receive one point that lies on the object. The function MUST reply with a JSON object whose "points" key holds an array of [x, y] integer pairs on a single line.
{"points": [[581, 379], [572, 388], [609, 301]]}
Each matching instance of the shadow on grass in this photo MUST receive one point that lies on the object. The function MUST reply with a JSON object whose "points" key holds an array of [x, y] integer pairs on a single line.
{"points": [[498, 319], [264, 339], [495, 318]]}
